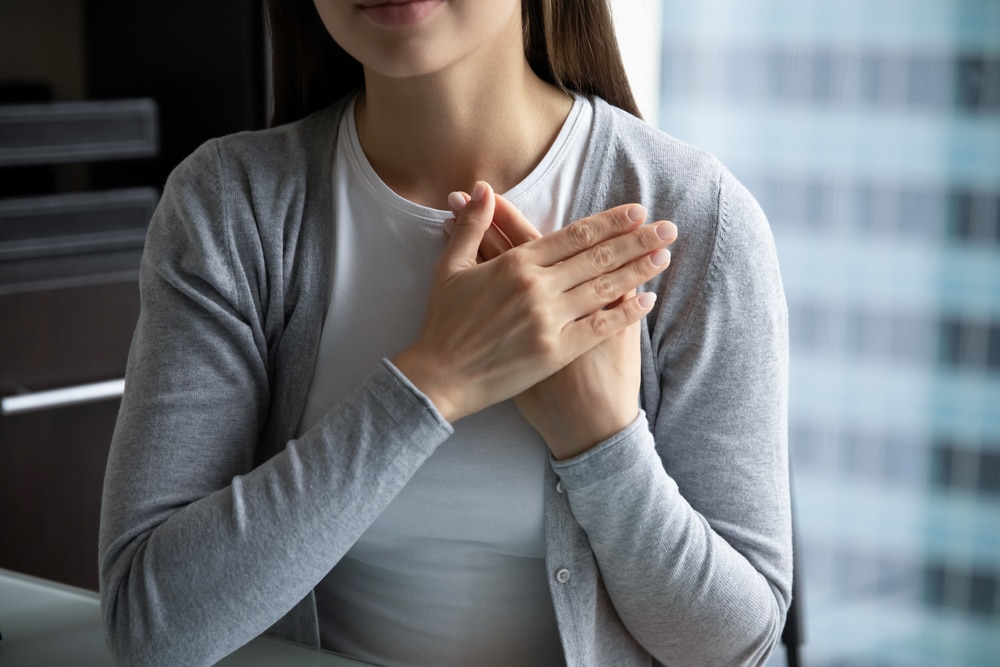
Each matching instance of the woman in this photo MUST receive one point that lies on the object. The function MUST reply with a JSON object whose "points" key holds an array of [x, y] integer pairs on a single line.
{"points": [[316, 437]]}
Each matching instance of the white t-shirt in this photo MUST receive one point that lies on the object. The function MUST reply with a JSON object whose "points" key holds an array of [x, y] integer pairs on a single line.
{"points": [[453, 571]]}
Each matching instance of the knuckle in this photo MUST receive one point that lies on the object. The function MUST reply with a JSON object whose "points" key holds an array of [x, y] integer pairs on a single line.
{"points": [[600, 324], [469, 218], [515, 264], [602, 256], [621, 220], [538, 316], [647, 238], [527, 282], [633, 312], [580, 234], [604, 288], [548, 347], [517, 260], [545, 344], [642, 270], [464, 263]]}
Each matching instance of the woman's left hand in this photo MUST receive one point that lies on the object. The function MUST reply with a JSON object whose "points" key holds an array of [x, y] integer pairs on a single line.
{"points": [[592, 398]]}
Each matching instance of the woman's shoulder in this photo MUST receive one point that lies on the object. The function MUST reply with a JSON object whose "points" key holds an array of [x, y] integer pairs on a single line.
{"points": [[254, 200], [635, 161], [253, 178], [719, 222], [638, 144]]}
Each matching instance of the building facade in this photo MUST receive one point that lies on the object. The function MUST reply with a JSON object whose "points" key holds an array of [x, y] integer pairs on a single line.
{"points": [[870, 134]]}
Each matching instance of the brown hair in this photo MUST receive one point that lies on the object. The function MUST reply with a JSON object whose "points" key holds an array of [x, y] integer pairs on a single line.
{"points": [[572, 45], [569, 43]]}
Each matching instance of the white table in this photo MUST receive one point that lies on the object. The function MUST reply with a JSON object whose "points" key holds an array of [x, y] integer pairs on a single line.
{"points": [[45, 624]]}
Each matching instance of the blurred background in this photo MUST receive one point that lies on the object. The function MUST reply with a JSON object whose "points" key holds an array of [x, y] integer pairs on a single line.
{"points": [[99, 100], [868, 130], [870, 134]]}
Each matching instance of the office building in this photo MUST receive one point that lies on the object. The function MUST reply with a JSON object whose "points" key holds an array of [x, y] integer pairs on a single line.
{"points": [[870, 134]]}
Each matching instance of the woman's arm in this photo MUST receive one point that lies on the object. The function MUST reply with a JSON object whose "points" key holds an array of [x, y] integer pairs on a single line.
{"points": [[688, 516], [689, 519], [200, 551]]}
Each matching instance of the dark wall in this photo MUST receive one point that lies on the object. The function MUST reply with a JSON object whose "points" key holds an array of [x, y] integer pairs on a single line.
{"points": [[70, 249], [203, 61]]}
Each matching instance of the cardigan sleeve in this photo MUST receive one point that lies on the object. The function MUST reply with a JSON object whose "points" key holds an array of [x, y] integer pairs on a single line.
{"points": [[201, 551], [688, 514]]}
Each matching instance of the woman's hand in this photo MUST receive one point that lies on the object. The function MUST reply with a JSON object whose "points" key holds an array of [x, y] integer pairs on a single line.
{"points": [[496, 328], [595, 396]]}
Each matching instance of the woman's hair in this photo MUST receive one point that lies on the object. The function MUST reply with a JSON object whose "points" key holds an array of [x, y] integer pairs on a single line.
{"points": [[569, 43]]}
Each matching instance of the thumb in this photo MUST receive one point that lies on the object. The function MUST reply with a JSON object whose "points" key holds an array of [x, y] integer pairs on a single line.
{"points": [[470, 227]]}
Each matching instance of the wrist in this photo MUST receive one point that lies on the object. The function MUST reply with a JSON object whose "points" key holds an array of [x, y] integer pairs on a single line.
{"points": [[427, 378], [565, 446], [577, 433]]}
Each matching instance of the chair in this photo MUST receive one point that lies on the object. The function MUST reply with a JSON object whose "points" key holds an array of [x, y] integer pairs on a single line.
{"points": [[793, 634]]}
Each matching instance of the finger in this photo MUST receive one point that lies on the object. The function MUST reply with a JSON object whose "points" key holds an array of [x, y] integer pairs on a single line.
{"points": [[585, 233], [470, 227], [495, 242], [458, 200], [512, 223], [611, 255], [620, 300], [582, 334], [596, 294]]}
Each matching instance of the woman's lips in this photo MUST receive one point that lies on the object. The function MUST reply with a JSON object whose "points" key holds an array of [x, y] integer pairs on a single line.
{"points": [[399, 13]]}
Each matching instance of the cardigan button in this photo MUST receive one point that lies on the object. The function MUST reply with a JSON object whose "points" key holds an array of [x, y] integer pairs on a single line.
{"points": [[559, 487], [562, 575]]}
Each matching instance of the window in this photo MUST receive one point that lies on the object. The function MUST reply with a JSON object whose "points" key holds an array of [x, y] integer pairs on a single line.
{"points": [[872, 130]]}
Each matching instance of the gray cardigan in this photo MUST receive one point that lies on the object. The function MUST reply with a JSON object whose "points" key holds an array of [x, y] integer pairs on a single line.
{"points": [[670, 542]]}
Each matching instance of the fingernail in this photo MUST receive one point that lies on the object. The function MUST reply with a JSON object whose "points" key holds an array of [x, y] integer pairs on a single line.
{"points": [[666, 230], [636, 213], [457, 201], [646, 299], [660, 257], [449, 225], [479, 191]]}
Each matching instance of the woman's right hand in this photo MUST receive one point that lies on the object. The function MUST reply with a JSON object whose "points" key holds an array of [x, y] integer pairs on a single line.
{"points": [[495, 328]]}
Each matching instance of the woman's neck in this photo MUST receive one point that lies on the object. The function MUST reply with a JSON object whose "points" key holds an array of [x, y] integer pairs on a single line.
{"points": [[487, 118]]}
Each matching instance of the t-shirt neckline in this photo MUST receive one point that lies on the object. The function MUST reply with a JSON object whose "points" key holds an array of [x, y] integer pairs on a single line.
{"points": [[538, 176]]}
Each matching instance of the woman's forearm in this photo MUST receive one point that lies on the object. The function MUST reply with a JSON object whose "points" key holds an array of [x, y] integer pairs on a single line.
{"points": [[188, 579], [680, 586]]}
